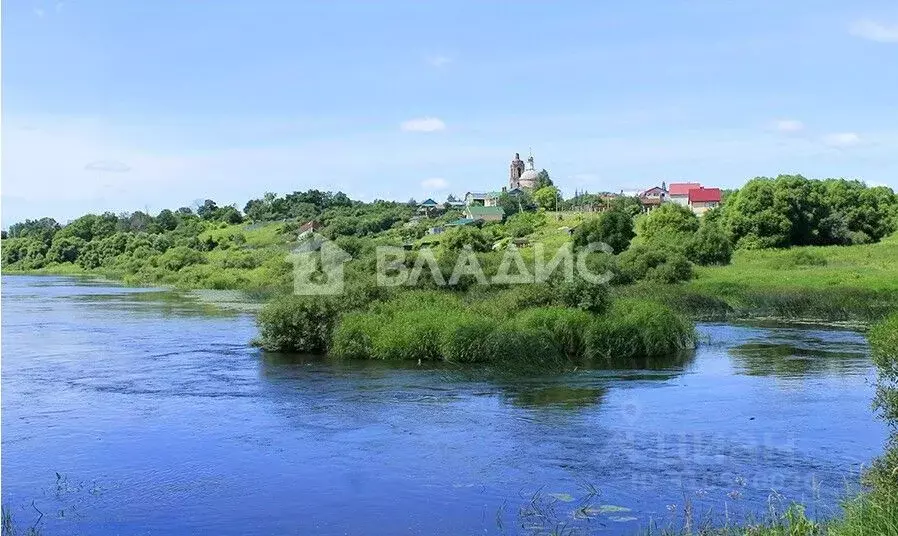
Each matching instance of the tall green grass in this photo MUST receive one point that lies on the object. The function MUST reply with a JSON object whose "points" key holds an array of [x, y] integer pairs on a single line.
{"points": [[635, 327], [432, 325]]}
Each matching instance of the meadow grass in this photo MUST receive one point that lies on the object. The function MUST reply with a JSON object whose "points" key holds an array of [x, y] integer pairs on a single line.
{"points": [[833, 283]]}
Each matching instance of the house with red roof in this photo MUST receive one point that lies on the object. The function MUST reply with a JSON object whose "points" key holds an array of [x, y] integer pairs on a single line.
{"points": [[678, 192], [655, 192], [653, 197], [703, 199]]}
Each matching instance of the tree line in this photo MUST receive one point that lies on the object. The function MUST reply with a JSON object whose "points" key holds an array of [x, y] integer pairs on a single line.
{"points": [[789, 210]]}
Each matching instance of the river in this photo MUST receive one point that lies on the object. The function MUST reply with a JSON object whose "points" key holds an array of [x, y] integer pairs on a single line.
{"points": [[136, 411]]}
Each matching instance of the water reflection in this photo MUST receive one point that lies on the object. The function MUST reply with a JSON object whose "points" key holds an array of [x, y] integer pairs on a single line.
{"points": [[801, 356], [570, 388], [167, 302], [564, 397]]}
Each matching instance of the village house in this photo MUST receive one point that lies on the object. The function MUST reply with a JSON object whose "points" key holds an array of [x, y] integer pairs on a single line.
{"points": [[655, 192], [653, 197], [678, 192], [429, 206], [703, 199], [650, 203], [491, 213], [309, 228], [487, 199]]}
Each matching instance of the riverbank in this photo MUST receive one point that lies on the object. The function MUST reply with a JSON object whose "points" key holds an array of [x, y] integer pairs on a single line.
{"points": [[856, 284]]}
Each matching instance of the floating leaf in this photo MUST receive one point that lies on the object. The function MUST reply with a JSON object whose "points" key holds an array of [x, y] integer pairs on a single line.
{"points": [[563, 497], [611, 508]]}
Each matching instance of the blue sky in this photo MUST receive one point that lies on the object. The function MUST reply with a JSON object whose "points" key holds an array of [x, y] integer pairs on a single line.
{"points": [[146, 105]]}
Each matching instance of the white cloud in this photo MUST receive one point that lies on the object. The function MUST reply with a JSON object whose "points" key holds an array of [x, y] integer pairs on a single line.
{"points": [[423, 124], [789, 125], [111, 166], [875, 31], [38, 12], [439, 61], [842, 139], [434, 184]]}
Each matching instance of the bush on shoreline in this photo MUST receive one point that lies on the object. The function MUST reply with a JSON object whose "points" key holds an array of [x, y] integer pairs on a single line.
{"points": [[883, 475], [298, 324]]}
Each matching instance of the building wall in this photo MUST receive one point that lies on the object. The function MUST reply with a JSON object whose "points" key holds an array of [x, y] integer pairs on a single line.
{"points": [[701, 207], [679, 199], [469, 200]]}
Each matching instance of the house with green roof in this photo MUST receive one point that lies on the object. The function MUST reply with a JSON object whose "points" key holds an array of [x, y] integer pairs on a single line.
{"points": [[429, 205], [460, 222], [477, 212]]}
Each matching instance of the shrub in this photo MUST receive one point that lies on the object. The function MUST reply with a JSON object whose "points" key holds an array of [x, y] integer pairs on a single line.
{"points": [[710, 245], [653, 264], [524, 223], [488, 264], [65, 249], [582, 294], [466, 236], [518, 297], [178, 257], [360, 293], [602, 264], [352, 245], [675, 269], [242, 260], [298, 324], [614, 228], [883, 475], [669, 222]]}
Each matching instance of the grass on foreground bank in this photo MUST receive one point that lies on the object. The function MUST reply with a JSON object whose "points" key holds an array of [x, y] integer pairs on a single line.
{"points": [[864, 515]]}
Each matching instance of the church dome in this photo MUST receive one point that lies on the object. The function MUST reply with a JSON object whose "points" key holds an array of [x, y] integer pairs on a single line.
{"points": [[528, 178]]}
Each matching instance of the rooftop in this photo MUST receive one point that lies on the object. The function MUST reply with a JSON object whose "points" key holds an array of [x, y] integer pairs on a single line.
{"points": [[478, 211], [704, 195], [682, 188]]}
